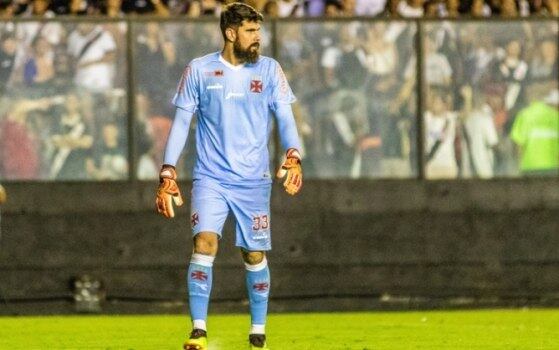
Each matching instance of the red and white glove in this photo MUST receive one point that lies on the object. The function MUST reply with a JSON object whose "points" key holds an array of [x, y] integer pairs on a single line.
{"points": [[292, 168], [168, 192]]}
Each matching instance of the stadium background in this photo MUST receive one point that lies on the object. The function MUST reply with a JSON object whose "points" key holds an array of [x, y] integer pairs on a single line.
{"points": [[376, 227]]}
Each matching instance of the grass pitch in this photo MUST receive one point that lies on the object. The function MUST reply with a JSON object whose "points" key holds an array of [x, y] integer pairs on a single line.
{"points": [[432, 330]]}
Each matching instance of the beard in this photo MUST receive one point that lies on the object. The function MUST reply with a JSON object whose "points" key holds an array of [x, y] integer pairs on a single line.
{"points": [[250, 54]]}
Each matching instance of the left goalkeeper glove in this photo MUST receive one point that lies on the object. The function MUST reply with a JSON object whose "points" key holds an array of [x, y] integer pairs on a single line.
{"points": [[292, 168], [168, 192]]}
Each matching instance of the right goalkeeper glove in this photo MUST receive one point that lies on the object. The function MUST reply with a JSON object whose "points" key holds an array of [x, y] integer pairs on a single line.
{"points": [[168, 190]]}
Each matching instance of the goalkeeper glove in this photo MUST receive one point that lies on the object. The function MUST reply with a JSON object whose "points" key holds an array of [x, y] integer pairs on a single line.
{"points": [[292, 168], [168, 190]]}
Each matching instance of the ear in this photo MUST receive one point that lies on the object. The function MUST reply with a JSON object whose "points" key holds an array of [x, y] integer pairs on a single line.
{"points": [[231, 34]]}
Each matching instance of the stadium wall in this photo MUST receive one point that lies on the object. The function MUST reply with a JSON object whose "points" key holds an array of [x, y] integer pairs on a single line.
{"points": [[339, 245]]}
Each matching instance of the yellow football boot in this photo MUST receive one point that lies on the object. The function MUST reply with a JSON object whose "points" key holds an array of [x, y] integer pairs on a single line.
{"points": [[198, 340]]}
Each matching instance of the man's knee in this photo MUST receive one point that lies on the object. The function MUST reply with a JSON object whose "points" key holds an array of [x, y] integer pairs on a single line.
{"points": [[253, 258], [205, 243]]}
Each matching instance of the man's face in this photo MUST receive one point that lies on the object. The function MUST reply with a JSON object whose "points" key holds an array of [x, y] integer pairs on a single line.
{"points": [[9, 46], [40, 6], [247, 44]]}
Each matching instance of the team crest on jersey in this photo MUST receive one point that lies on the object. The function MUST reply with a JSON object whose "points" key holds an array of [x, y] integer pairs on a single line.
{"points": [[256, 84]]}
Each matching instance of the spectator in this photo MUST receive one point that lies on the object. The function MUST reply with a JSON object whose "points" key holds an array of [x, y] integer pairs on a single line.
{"points": [[194, 9], [536, 132], [509, 9], [450, 9], [40, 8], [348, 8], [544, 64], [74, 7], [410, 8], [113, 164], [291, 8], [480, 9], [332, 8], [431, 8], [552, 7], [495, 6], [62, 81], [39, 68], [271, 9], [437, 68], [479, 137], [19, 147], [72, 143], [346, 127], [93, 51], [8, 46], [7, 10], [154, 50], [369, 8], [440, 134], [210, 8], [113, 9], [315, 8], [145, 7], [478, 54], [512, 70]]}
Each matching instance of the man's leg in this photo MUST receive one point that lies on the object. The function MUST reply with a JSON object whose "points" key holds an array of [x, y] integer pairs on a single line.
{"points": [[199, 287], [258, 286]]}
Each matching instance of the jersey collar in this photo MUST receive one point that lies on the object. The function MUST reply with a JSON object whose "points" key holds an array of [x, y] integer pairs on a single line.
{"points": [[229, 65]]}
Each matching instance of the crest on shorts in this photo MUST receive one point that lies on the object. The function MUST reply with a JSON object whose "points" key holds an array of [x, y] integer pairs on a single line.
{"points": [[194, 219]]}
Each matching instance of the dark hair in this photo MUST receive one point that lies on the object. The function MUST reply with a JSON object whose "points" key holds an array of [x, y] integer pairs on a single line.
{"points": [[234, 14]]}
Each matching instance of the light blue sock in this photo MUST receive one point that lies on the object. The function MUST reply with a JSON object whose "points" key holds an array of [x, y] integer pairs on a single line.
{"points": [[199, 288], [258, 286]]}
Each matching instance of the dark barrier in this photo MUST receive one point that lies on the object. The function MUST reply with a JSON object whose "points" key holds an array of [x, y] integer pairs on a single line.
{"points": [[339, 245]]}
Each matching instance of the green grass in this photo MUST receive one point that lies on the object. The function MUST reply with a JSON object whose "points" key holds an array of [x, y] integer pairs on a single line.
{"points": [[436, 330]]}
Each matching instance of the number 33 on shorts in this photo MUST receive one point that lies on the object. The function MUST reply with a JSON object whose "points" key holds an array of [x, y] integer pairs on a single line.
{"points": [[260, 222]]}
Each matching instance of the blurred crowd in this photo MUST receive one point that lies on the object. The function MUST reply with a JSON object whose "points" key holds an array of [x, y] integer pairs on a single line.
{"points": [[488, 89], [284, 8], [357, 110], [63, 112]]}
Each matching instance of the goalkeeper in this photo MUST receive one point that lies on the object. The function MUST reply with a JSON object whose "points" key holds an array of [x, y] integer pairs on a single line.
{"points": [[233, 92]]}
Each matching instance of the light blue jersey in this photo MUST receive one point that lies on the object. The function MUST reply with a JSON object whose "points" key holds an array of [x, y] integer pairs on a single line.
{"points": [[233, 106]]}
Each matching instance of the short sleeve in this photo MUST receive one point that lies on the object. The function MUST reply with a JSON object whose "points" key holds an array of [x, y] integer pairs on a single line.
{"points": [[187, 95], [281, 91]]}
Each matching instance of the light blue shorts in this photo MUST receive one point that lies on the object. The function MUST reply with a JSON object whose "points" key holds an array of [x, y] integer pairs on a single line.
{"points": [[212, 201]]}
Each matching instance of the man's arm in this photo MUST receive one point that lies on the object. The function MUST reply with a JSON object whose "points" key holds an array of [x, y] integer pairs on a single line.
{"points": [[177, 136], [287, 127], [291, 167], [282, 98], [168, 191]]}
